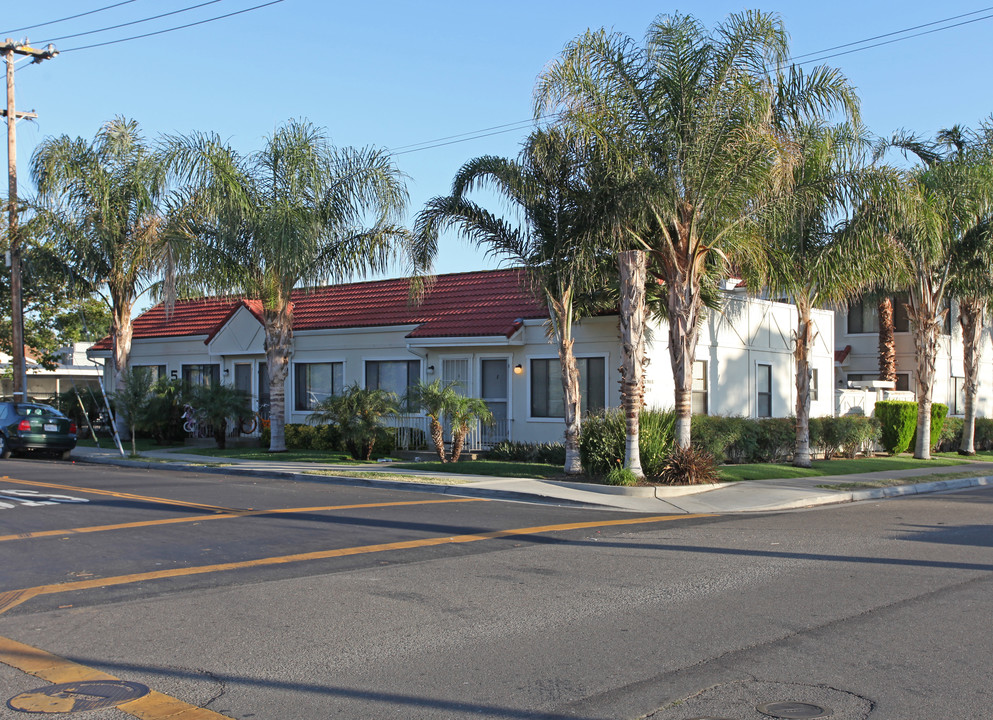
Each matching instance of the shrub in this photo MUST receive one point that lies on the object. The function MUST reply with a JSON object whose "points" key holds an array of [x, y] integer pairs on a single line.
{"points": [[729, 438], [984, 434], [601, 446], [620, 475], [897, 424], [849, 435], [939, 412], [515, 451], [689, 466], [951, 435], [775, 438], [818, 437]]}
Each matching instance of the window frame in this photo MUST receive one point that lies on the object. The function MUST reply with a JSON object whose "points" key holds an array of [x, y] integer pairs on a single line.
{"points": [[759, 393], [304, 392], [705, 393], [415, 371], [553, 360]]}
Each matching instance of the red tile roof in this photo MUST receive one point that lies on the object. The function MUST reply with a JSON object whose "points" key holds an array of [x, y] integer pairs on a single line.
{"points": [[471, 304]]}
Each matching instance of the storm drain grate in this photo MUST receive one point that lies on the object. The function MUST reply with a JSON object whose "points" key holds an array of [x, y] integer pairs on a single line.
{"points": [[793, 710], [78, 696]]}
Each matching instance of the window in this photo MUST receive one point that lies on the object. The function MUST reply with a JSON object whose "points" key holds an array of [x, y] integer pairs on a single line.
{"points": [[155, 372], [546, 386], [315, 383], [763, 387], [863, 315], [699, 401], [395, 376], [813, 385], [957, 403], [207, 374]]}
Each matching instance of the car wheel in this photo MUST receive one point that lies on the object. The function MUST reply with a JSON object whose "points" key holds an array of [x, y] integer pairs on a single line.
{"points": [[4, 447]]}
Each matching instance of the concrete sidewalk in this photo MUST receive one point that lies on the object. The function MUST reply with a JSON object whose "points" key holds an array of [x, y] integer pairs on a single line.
{"points": [[745, 496]]}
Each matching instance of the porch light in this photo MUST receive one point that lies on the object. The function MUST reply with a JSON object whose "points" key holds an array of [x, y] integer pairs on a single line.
{"points": [[518, 369], [430, 369]]}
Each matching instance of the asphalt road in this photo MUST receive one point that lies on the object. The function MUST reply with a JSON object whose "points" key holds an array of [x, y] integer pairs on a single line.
{"points": [[240, 598]]}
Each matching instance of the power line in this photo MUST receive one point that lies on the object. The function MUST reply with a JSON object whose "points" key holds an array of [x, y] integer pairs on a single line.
{"points": [[133, 22], [521, 124], [890, 42], [895, 32], [173, 29], [70, 17]]}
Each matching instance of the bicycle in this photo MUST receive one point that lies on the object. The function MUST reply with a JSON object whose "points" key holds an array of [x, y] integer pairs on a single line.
{"points": [[249, 424], [194, 422]]}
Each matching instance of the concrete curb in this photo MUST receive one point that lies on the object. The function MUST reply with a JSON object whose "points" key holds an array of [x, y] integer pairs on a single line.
{"points": [[592, 492], [466, 490], [920, 488]]}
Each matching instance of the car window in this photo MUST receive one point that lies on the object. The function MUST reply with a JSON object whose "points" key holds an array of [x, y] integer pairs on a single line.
{"points": [[37, 411]]}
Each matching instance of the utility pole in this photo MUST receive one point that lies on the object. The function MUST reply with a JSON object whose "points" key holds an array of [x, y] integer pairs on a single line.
{"points": [[10, 49]]}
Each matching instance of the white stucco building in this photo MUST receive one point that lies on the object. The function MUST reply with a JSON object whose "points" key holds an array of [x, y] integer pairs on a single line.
{"points": [[484, 331]]}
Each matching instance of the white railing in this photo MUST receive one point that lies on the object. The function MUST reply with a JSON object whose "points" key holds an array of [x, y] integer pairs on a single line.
{"points": [[862, 401], [413, 432]]}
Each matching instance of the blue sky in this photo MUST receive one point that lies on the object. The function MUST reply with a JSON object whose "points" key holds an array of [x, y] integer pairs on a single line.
{"points": [[392, 74]]}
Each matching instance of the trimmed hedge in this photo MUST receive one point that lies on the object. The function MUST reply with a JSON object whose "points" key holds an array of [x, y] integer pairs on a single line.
{"points": [[847, 435], [897, 424], [939, 412]]}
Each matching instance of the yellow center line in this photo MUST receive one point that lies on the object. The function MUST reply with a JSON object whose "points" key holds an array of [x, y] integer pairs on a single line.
{"points": [[13, 598], [226, 516], [123, 496], [57, 670]]}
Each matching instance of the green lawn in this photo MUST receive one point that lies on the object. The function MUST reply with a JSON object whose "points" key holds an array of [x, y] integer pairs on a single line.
{"points": [[843, 466], [495, 468], [984, 455]]}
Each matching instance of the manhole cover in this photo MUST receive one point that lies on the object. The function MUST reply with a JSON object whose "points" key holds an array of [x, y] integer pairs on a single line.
{"points": [[793, 710], [78, 696]]}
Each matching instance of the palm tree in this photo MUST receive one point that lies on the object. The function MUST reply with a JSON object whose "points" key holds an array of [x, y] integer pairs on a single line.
{"points": [[972, 269], [436, 400], [812, 260], [689, 120], [299, 211], [928, 221], [358, 413], [464, 412], [101, 206], [559, 241], [972, 285]]}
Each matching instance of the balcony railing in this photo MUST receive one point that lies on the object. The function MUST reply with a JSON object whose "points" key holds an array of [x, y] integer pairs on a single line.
{"points": [[413, 432]]}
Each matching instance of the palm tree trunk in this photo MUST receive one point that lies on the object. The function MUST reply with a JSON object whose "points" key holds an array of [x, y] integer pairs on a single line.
{"points": [[633, 266], [927, 327], [887, 343], [278, 346], [438, 438], [971, 315], [458, 440], [684, 315], [801, 354], [120, 331], [560, 310]]}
